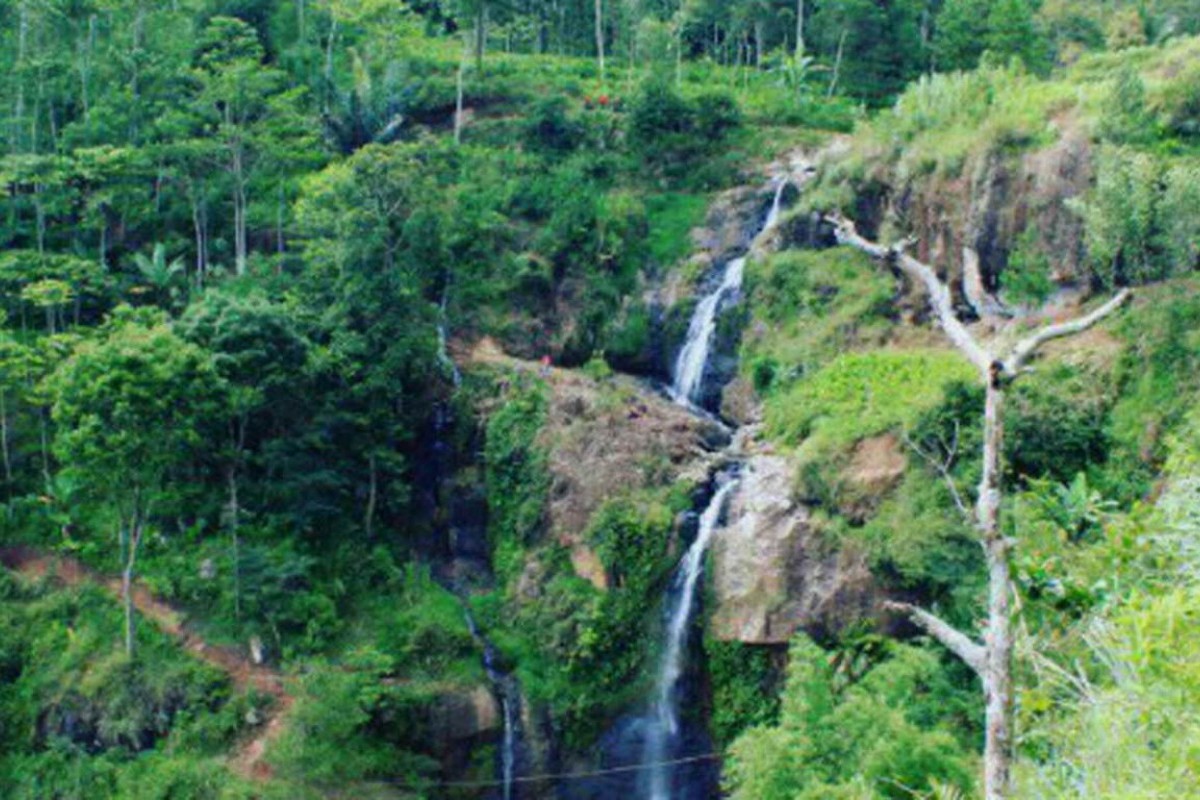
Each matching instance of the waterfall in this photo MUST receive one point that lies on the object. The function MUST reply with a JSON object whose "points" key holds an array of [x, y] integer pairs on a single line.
{"points": [[443, 350], [666, 753], [503, 686], [664, 722], [693, 359]]}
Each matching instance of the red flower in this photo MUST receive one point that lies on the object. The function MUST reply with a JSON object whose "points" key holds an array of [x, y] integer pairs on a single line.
{"points": [[603, 100]]}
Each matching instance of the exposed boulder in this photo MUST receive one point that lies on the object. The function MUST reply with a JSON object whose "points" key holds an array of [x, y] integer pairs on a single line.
{"points": [[876, 467], [774, 573]]}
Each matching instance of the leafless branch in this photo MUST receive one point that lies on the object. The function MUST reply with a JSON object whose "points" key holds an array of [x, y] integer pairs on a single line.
{"points": [[939, 294], [1025, 348], [942, 467], [954, 640]]}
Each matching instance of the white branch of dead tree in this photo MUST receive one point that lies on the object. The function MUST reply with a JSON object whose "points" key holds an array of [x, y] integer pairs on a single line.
{"points": [[971, 652], [939, 293], [942, 467], [1025, 348]]}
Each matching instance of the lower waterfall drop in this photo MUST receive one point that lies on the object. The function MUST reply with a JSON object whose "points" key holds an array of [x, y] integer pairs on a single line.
{"points": [[663, 725], [504, 687]]}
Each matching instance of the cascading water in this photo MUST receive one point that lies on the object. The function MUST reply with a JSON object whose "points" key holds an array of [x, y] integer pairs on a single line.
{"points": [[661, 754], [693, 359], [664, 723], [443, 349], [502, 685]]}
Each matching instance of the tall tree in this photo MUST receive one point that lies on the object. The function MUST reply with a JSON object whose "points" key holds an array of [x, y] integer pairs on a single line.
{"points": [[992, 659], [129, 408], [260, 354]]}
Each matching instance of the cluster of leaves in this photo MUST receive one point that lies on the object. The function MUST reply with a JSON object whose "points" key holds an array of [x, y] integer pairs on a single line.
{"points": [[1141, 218], [75, 712], [887, 731]]}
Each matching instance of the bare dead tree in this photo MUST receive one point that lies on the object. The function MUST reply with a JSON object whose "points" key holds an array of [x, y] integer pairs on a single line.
{"points": [[992, 658]]}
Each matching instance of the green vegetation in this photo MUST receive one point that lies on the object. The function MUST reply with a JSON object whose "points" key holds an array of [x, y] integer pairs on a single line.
{"points": [[862, 394], [248, 246], [77, 712], [883, 729]]}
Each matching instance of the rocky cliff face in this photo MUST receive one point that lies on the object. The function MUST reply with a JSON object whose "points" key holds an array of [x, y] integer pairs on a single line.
{"points": [[613, 436], [774, 573], [983, 209]]}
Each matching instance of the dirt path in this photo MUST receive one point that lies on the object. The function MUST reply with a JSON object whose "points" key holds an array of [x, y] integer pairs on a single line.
{"points": [[247, 759]]}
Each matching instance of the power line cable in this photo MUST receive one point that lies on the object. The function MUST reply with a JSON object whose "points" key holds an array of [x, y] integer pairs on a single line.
{"points": [[560, 776]]}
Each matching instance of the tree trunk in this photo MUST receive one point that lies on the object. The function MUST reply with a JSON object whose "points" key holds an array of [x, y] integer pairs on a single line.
{"points": [[4, 445], [758, 44], [480, 36], [234, 515], [198, 229], [372, 492], [458, 97], [799, 31], [993, 660], [135, 539], [44, 434], [997, 675], [599, 12], [837, 64], [329, 44], [240, 246]]}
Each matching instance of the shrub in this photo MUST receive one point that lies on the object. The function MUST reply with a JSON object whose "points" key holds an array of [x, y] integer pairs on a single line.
{"points": [[863, 394], [1027, 278], [1119, 215], [670, 134], [1180, 102], [517, 476], [549, 129]]}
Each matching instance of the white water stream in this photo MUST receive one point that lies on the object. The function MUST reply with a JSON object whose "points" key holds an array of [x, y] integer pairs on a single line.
{"points": [[664, 722], [693, 359]]}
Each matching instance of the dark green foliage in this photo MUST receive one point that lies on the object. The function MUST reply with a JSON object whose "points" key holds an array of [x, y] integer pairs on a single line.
{"points": [[517, 480], [1126, 118], [75, 710], [1055, 429], [1155, 379], [339, 728], [670, 133], [1181, 103], [551, 129], [745, 687], [879, 734], [966, 29], [880, 43], [1026, 279]]}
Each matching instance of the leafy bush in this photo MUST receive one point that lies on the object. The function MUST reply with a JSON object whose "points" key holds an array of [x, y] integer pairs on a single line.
{"points": [[883, 735], [1180, 102], [745, 687], [333, 729], [517, 478], [669, 133], [1141, 221], [1027, 278], [809, 306], [550, 129]]}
